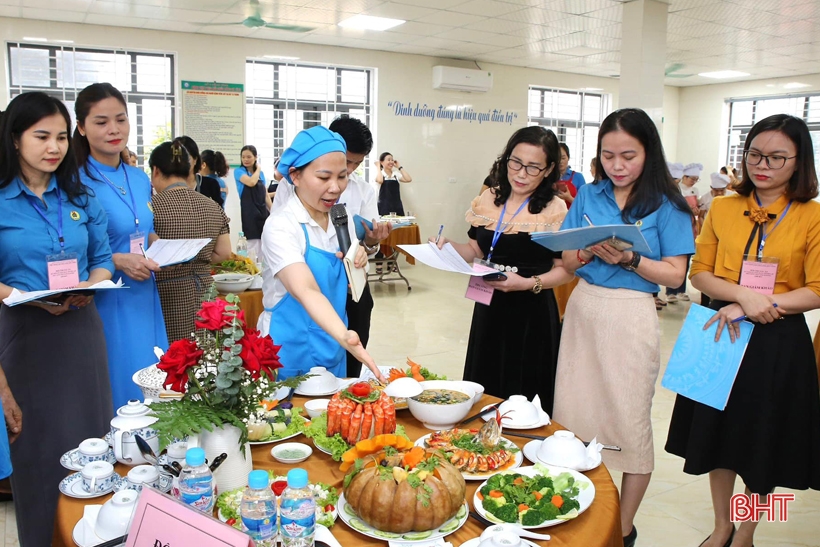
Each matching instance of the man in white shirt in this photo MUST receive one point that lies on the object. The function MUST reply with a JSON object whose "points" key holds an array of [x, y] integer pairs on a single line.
{"points": [[359, 198]]}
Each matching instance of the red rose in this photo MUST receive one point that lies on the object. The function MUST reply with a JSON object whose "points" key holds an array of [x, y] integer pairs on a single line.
{"points": [[259, 354], [212, 315], [182, 355]]}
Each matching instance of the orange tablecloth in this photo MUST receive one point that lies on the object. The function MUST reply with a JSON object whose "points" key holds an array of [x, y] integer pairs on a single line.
{"points": [[598, 526], [406, 235], [251, 303]]}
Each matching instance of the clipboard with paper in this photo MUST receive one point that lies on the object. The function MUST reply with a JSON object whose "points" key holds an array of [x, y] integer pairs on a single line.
{"points": [[622, 236]]}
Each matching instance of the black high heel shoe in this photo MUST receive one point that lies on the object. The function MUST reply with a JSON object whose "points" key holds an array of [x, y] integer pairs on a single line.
{"points": [[728, 541], [629, 539]]}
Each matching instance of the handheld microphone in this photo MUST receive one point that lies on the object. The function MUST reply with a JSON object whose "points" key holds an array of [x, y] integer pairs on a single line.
{"points": [[338, 216]]}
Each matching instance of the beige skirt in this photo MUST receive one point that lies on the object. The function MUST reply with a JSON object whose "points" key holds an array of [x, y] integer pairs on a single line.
{"points": [[608, 363]]}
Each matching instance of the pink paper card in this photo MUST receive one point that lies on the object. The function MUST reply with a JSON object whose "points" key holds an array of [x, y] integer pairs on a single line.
{"points": [[759, 276], [63, 274], [478, 290], [162, 521]]}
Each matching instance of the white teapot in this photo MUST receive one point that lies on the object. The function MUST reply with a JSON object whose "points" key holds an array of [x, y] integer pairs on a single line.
{"points": [[133, 419]]}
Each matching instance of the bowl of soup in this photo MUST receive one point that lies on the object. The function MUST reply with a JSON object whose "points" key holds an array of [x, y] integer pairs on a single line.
{"points": [[442, 404]]}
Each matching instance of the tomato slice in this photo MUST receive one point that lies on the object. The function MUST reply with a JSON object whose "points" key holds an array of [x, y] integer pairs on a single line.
{"points": [[278, 487], [230, 522], [360, 389], [329, 508]]}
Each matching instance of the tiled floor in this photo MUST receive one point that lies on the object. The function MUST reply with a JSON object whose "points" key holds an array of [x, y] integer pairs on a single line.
{"points": [[431, 323]]}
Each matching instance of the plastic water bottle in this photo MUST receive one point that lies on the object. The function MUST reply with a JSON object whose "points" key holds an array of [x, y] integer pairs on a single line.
{"points": [[297, 511], [196, 482], [258, 510], [242, 245]]}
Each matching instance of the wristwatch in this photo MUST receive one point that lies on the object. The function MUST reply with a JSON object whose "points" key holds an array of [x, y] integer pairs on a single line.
{"points": [[368, 249], [631, 265], [538, 287]]}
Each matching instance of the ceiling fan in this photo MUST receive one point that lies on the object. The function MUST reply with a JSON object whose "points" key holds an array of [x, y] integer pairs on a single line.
{"points": [[672, 71], [254, 20]]}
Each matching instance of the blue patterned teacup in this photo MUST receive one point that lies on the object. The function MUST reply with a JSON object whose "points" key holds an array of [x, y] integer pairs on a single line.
{"points": [[98, 477]]}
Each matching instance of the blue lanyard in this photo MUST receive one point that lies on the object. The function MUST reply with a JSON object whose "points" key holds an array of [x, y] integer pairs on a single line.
{"points": [[501, 225], [118, 191], [59, 228], [765, 235]]}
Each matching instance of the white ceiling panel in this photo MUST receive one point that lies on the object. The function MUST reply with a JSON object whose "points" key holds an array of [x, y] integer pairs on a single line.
{"points": [[767, 38]]}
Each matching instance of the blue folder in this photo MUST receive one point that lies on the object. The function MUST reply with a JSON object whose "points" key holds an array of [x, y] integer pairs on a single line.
{"points": [[700, 368], [581, 238], [357, 221]]}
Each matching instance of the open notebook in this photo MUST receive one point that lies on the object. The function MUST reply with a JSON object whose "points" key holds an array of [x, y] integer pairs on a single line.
{"points": [[357, 277]]}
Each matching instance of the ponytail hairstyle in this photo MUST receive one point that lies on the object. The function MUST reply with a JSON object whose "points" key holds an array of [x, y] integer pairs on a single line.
{"points": [[252, 149], [193, 150], [86, 99], [172, 160], [22, 113], [216, 162], [655, 182]]}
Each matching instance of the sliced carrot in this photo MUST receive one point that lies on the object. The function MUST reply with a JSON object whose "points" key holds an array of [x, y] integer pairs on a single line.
{"points": [[479, 494], [518, 481], [396, 374], [269, 405], [523, 507], [538, 495], [496, 494], [413, 458], [557, 501]]}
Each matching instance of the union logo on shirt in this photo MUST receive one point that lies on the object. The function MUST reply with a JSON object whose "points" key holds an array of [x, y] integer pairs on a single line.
{"points": [[74, 215], [150, 206]]}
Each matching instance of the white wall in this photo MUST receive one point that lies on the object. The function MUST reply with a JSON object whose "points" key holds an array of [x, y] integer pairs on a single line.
{"points": [[434, 151], [704, 118]]}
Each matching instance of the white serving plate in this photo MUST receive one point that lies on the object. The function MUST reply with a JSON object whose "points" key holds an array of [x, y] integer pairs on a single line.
{"points": [[531, 452], [518, 459]]}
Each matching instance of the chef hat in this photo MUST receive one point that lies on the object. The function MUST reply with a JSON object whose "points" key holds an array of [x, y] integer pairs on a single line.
{"points": [[719, 181], [309, 145], [693, 170], [676, 169]]}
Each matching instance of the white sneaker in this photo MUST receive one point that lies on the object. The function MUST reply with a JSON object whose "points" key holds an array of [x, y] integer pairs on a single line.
{"points": [[683, 297], [671, 298]]}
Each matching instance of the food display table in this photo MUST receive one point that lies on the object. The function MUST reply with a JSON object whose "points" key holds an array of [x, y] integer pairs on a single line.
{"points": [[387, 268], [598, 526]]}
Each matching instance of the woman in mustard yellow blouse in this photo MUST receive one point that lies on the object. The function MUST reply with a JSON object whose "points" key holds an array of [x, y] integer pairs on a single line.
{"points": [[769, 432]]}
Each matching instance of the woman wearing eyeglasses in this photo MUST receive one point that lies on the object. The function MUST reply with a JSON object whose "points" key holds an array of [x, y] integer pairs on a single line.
{"points": [[513, 341], [610, 346], [769, 432]]}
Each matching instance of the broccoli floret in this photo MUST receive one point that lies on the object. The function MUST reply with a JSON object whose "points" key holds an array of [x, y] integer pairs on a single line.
{"points": [[506, 513], [533, 517], [541, 482], [494, 483], [491, 504], [569, 505]]}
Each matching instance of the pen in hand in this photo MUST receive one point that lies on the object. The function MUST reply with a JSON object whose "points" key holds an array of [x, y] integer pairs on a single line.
{"points": [[142, 250], [588, 221], [743, 317], [440, 230]]}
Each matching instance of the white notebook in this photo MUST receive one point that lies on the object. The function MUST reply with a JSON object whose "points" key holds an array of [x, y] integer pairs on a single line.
{"points": [[357, 277]]}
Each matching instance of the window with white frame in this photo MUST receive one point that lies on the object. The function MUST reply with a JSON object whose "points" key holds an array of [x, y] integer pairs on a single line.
{"points": [[146, 80], [284, 98], [744, 113], [574, 117]]}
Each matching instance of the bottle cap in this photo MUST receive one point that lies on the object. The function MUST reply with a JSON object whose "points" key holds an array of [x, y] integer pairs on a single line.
{"points": [[297, 478], [258, 479], [241, 234], [195, 457]]}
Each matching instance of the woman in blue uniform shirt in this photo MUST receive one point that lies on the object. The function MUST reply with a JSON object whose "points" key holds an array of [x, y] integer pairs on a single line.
{"points": [[304, 282], [132, 318], [53, 356]]}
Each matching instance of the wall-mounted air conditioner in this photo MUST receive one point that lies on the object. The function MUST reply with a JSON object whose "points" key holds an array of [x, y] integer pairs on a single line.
{"points": [[462, 79]]}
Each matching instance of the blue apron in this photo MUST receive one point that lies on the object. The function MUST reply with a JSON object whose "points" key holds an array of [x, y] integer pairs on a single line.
{"points": [[304, 343]]}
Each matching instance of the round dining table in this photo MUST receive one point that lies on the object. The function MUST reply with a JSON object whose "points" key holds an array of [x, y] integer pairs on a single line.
{"points": [[598, 526]]}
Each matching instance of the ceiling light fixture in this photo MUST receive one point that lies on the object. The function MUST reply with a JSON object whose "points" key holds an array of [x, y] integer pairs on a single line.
{"points": [[63, 41], [592, 89], [795, 85], [722, 74], [281, 57], [34, 39], [369, 22]]}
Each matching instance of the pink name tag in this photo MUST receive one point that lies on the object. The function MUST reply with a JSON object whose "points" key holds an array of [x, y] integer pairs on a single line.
{"points": [[478, 290], [137, 243], [759, 276], [63, 273], [160, 520]]}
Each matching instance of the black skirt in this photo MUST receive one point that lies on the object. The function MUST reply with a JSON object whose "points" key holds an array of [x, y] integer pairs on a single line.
{"points": [[390, 198], [513, 344], [769, 432]]}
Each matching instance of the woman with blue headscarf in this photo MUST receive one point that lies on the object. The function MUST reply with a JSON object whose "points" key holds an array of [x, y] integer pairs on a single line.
{"points": [[304, 283]]}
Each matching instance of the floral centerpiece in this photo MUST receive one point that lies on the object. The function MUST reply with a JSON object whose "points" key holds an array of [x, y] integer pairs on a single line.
{"points": [[223, 371]]}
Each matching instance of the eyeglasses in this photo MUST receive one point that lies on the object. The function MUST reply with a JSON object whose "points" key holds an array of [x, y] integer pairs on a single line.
{"points": [[772, 162], [531, 170]]}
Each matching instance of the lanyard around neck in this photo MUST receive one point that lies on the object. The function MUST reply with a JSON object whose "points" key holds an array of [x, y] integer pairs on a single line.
{"points": [[59, 228], [120, 191], [501, 225], [176, 185], [764, 234]]}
